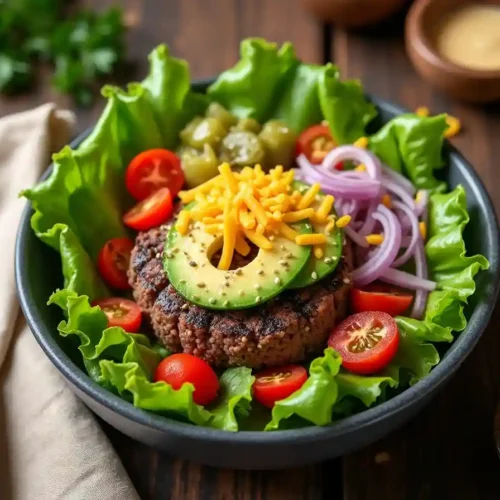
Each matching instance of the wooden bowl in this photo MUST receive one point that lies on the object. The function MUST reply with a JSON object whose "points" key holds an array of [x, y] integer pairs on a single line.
{"points": [[422, 25], [353, 13]]}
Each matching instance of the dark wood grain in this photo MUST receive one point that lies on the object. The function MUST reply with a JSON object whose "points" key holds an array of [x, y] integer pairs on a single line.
{"points": [[447, 451]]}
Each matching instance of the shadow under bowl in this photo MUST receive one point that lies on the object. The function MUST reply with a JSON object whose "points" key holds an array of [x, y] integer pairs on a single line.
{"points": [[423, 23], [38, 274]]}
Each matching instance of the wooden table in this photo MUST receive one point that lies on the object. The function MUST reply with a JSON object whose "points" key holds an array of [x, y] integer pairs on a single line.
{"points": [[447, 451]]}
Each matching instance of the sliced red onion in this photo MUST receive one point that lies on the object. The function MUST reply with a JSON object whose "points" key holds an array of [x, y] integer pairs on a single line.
{"points": [[338, 185], [405, 241], [351, 174], [415, 234], [407, 280], [375, 267], [400, 192], [399, 179], [349, 152], [421, 204], [369, 224], [421, 269], [356, 237]]}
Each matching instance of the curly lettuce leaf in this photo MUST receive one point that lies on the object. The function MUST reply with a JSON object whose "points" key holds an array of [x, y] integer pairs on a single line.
{"points": [[169, 93], [125, 363], [234, 399], [79, 272], [299, 105], [159, 397], [445, 250], [250, 88], [270, 82], [315, 399], [344, 106], [80, 205], [412, 145], [328, 392]]}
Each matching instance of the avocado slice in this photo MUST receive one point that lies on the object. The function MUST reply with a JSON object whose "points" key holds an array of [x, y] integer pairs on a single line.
{"points": [[189, 270], [316, 269]]}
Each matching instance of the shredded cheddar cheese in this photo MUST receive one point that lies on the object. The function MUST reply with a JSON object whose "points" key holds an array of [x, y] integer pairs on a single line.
{"points": [[362, 142], [309, 196], [387, 200], [375, 239], [318, 252], [183, 222], [343, 221], [422, 226], [329, 227], [422, 111], [324, 209], [254, 206], [310, 239], [454, 126]]}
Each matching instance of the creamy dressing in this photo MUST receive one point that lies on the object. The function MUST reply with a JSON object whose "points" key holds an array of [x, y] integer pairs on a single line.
{"points": [[470, 37]]}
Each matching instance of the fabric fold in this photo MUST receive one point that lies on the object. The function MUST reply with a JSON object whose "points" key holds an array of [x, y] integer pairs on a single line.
{"points": [[51, 446]]}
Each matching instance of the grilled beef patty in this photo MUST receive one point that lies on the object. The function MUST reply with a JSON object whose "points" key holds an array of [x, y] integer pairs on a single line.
{"points": [[287, 329]]}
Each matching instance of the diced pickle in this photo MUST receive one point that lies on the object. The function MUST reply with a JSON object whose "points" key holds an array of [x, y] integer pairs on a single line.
{"points": [[201, 131], [279, 143], [216, 110], [248, 125], [198, 166], [241, 148]]}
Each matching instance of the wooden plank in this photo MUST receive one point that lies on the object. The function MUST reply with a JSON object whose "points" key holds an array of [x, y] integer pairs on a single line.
{"points": [[447, 450]]}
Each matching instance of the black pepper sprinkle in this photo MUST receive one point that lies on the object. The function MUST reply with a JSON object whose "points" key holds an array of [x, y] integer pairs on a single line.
{"points": [[193, 263]]}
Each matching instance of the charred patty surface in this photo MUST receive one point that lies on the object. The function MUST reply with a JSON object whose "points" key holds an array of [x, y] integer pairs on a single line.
{"points": [[287, 329]]}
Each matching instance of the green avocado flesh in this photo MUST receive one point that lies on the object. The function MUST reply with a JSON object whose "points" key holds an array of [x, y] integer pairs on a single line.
{"points": [[189, 270], [316, 269]]}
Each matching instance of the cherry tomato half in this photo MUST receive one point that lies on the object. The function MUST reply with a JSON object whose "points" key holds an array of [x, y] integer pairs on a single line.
{"points": [[113, 262], [315, 143], [379, 297], [152, 170], [366, 341], [276, 383], [121, 312], [178, 369], [151, 212]]}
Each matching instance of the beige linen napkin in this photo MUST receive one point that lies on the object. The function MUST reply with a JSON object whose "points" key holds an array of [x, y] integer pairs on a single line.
{"points": [[51, 447]]}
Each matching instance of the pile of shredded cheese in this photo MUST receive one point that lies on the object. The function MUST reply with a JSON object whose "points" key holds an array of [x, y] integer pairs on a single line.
{"points": [[254, 206]]}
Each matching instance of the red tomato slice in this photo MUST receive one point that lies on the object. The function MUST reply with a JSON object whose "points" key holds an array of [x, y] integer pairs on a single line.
{"points": [[366, 341], [121, 312], [274, 384], [315, 142], [178, 369], [152, 170], [113, 262], [151, 212], [379, 297]]}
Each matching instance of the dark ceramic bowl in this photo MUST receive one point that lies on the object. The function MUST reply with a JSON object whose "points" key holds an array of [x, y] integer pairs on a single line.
{"points": [[38, 274]]}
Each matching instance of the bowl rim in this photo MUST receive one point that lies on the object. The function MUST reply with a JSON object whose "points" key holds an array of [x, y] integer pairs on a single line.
{"points": [[416, 35], [458, 351]]}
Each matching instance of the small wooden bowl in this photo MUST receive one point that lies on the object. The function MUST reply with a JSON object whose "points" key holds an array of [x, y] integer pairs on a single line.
{"points": [[422, 24], [353, 13]]}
